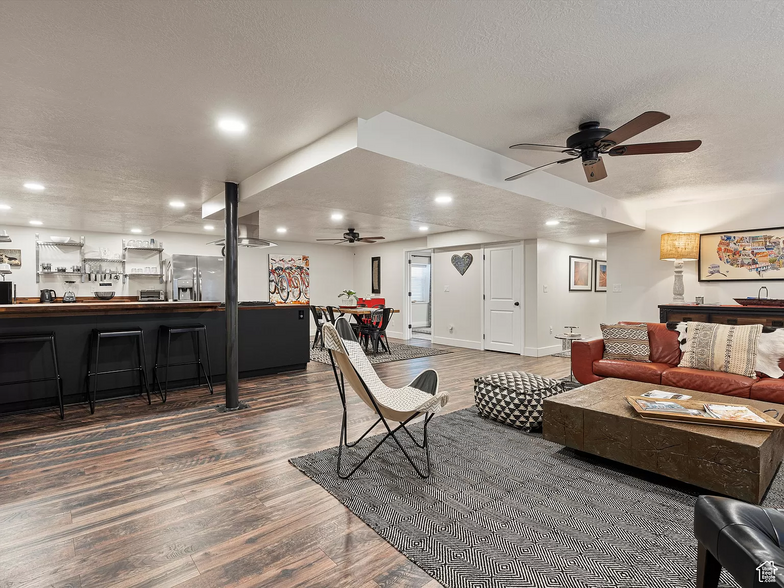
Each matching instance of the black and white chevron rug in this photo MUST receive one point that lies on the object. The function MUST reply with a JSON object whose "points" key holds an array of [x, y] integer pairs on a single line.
{"points": [[507, 509]]}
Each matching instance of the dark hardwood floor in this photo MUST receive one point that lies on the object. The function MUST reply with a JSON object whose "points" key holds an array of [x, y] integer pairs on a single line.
{"points": [[178, 494]]}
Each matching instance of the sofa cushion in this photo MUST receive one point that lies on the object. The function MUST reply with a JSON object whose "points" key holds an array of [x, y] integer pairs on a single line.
{"points": [[707, 381], [769, 390], [721, 348], [664, 344], [624, 341], [630, 370]]}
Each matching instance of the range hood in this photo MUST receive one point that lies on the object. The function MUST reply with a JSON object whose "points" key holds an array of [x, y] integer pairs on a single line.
{"points": [[4, 238], [247, 233]]}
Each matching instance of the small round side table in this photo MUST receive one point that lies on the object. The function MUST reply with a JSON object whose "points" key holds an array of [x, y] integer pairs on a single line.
{"points": [[566, 346]]}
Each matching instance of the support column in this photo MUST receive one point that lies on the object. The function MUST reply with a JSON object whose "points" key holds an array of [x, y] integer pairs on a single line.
{"points": [[232, 330]]}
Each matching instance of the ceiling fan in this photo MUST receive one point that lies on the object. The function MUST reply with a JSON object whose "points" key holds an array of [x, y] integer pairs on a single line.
{"points": [[353, 237], [592, 141]]}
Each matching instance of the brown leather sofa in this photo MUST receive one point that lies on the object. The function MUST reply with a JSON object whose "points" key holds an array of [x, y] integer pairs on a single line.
{"points": [[588, 366]]}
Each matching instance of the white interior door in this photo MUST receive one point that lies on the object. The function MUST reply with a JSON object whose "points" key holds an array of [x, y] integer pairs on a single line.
{"points": [[503, 298]]}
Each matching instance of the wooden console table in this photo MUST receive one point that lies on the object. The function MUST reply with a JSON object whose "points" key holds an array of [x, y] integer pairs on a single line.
{"points": [[730, 314]]}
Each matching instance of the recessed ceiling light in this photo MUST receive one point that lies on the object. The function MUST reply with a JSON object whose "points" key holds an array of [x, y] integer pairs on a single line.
{"points": [[281, 229], [423, 228], [4, 207], [209, 228], [336, 216], [136, 230], [233, 126], [443, 199], [177, 204], [594, 241], [552, 223], [34, 186], [36, 223]]}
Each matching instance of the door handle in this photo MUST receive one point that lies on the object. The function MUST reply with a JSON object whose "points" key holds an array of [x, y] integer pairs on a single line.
{"points": [[517, 304]]}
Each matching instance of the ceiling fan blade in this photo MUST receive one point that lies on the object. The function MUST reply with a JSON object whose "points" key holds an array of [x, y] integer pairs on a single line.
{"points": [[330, 239], [525, 173], [363, 240], [652, 148], [595, 172], [373, 238], [634, 127], [537, 147]]}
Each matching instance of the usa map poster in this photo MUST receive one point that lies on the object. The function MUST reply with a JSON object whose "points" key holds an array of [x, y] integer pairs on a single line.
{"points": [[735, 256]]}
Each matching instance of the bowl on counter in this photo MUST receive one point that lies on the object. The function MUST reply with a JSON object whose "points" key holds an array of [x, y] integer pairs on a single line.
{"points": [[103, 295]]}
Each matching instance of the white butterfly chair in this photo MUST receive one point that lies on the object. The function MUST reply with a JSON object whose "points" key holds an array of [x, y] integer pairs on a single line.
{"points": [[420, 397]]}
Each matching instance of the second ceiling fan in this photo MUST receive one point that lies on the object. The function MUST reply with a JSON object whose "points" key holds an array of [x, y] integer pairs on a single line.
{"points": [[353, 237], [591, 141]]}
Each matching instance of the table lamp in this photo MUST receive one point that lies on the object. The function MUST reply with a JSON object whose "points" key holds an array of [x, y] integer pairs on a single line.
{"points": [[679, 247]]}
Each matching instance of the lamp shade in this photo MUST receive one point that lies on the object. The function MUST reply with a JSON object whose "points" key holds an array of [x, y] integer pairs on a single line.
{"points": [[680, 246]]}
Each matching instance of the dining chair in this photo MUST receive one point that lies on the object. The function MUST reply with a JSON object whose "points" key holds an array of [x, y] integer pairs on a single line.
{"points": [[331, 313], [320, 319], [375, 330]]}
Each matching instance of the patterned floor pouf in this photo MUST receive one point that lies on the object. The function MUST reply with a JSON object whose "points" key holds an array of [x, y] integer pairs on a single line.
{"points": [[514, 398]]}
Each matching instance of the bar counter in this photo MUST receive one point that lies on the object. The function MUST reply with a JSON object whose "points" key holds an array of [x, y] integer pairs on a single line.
{"points": [[272, 339]]}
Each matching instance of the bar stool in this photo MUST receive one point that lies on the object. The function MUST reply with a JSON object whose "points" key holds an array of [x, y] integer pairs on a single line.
{"points": [[39, 338], [95, 341], [167, 332]]}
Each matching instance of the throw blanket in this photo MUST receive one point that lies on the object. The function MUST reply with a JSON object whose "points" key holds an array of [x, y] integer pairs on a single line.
{"points": [[770, 348]]}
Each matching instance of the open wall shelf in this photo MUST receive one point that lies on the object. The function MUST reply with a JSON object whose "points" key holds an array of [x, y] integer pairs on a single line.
{"points": [[42, 246]]}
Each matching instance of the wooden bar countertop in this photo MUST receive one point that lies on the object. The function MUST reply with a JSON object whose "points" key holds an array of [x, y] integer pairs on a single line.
{"points": [[95, 307]]}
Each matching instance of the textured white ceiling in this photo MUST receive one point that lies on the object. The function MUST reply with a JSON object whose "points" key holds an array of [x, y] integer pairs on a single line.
{"points": [[112, 105], [381, 195]]}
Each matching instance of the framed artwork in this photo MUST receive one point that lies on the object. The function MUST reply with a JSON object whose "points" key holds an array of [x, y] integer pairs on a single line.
{"points": [[13, 257], [740, 256], [289, 279], [375, 275], [580, 273], [599, 275]]}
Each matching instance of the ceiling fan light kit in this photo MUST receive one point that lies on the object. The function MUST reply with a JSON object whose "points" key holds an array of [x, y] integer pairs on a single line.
{"points": [[591, 141]]}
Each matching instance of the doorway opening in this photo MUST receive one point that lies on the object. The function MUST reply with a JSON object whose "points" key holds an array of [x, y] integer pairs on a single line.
{"points": [[420, 295]]}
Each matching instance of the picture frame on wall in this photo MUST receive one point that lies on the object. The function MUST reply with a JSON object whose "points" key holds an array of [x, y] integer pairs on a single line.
{"points": [[12, 257], [600, 275], [580, 270], [741, 256], [375, 275]]}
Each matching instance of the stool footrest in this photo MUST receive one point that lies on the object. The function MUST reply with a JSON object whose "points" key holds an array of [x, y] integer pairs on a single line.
{"points": [[14, 383]]}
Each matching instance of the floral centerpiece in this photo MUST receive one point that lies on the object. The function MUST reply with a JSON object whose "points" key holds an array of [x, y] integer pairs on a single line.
{"points": [[346, 296]]}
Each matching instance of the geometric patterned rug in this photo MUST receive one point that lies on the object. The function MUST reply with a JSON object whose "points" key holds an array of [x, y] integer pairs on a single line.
{"points": [[503, 508], [400, 351]]}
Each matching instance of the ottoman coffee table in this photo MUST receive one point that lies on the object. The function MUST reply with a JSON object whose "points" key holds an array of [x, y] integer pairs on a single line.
{"points": [[598, 420]]}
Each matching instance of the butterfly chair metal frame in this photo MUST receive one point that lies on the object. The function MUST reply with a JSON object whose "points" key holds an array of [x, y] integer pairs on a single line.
{"points": [[423, 390]]}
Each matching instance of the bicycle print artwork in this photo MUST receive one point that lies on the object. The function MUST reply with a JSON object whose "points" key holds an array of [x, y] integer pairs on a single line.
{"points": [[289, 279]]}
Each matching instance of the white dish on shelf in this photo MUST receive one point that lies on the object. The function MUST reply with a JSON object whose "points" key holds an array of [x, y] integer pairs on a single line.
{"points": [[55, 239]]}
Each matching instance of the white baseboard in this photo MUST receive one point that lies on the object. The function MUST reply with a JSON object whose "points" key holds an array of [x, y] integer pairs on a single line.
{"points": [[467, 343], [541, 351], [395, 334]]}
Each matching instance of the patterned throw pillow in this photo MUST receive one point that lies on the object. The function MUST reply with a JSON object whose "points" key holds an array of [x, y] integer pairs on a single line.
{"points": [[629, 342], [721, 348]]}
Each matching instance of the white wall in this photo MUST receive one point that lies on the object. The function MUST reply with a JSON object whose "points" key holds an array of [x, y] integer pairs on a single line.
{"points": [[457, 313], [633, 257], [559, 306], [393, 276], [331, 268]]}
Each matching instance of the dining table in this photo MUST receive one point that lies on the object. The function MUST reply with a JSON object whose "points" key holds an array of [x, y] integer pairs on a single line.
{"points": [[357, 311]]}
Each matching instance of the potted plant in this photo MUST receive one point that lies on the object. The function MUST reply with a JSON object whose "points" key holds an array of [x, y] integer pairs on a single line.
{"points": [[346, 296]]}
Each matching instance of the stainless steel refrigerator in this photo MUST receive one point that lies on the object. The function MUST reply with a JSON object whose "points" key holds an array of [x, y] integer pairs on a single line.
{"points": [[198, 277]]}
